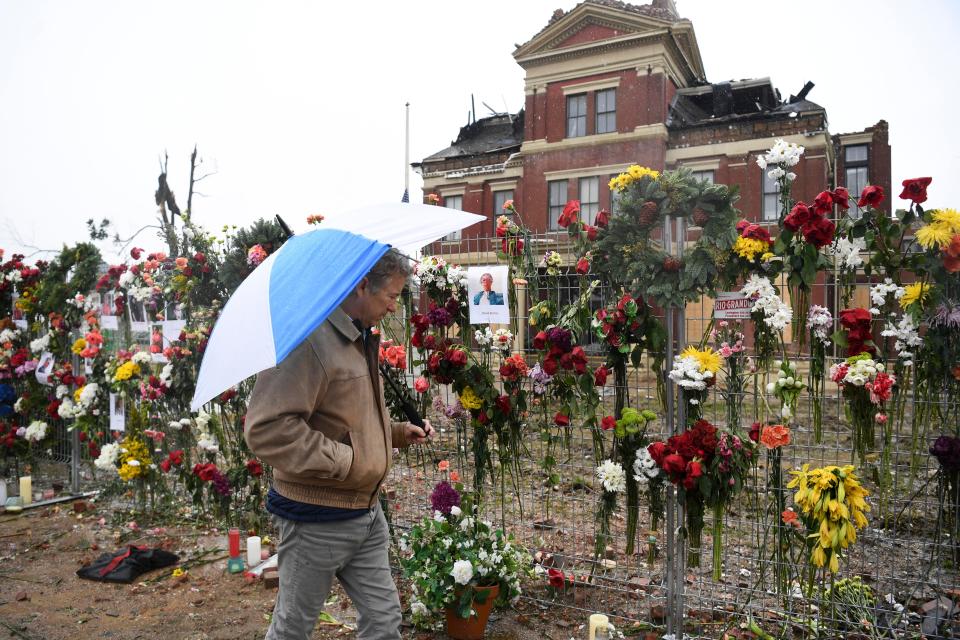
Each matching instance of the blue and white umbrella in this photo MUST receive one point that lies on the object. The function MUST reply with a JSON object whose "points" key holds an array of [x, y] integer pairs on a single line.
{"points": [[291, 292]]}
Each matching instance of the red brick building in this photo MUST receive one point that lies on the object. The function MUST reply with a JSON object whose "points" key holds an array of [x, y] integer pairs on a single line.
{"points": [[609, 84]]}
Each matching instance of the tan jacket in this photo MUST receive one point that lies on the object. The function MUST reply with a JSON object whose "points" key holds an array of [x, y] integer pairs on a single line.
{"points": [[320, 420]]}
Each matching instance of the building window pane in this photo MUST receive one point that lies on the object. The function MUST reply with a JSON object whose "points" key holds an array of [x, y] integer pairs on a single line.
{"points": [[499, 198], [454, 202], [770, 196], [577, 115], [589, 194], [558, 200], [856, 153], [857, 179], [606, 102], [703, 175]]}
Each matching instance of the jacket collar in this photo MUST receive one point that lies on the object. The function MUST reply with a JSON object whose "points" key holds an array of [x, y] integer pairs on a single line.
{"points": [[344, 324]]}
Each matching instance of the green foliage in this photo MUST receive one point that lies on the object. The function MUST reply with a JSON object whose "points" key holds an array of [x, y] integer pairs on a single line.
{"points": [[266, 233], [74, 270]]}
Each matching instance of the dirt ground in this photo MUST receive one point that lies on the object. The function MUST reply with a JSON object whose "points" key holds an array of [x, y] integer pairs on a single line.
{"points": [[42, 598]]}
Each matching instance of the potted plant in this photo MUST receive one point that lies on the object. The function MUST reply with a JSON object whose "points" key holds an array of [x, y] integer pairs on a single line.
{"points": [[460, 564]]}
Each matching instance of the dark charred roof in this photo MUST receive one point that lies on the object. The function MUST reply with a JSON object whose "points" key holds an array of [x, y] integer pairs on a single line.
{"points": [[497, 133], [735, 100]]}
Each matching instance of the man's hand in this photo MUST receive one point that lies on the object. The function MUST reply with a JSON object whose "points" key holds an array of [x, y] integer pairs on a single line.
{"points": [[416, 435]]}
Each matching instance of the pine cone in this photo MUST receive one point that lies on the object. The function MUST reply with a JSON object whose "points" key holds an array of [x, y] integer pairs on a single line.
{"points": [[671, 265], [700, 217], [648, 213]]}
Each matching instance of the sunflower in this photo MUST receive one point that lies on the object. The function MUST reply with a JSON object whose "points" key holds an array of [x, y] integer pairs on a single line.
{"points": [[708, 359], [912, 293]]}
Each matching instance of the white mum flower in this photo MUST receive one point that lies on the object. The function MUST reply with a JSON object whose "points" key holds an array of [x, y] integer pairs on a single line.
{"points": [[612, 476], [462, 572]]}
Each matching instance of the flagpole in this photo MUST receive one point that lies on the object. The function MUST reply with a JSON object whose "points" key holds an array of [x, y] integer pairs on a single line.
{"points": [[406, 156]]}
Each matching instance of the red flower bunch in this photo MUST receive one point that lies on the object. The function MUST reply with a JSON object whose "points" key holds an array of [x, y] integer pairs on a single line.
{"points": [[915, 189], [684, 457], [393, 354], [570, 215], [153, 389], [175, 458], [557, 579], [817, 229], [443, 363], [210, 473], [618, 323], [859, 335], [514, 368], [205, 471], [602, 219], [881, 388], [254, 467], [753, 231], [561, 353]]}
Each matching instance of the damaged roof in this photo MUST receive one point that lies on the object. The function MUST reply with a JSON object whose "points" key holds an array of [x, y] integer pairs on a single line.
{"points": [[500, 132], [735, 100]]}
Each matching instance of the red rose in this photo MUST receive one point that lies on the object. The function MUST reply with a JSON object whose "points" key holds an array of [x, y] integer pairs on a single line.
{"points": [[176, 457], [798, 216], [483, 418], [254, 467], [457, 357], [851, 317], [915, 189], [743, 224], [693, 471], [871, 196], [819, 233], [603, 218], [550, 366], [657, 451], [755, 432], [756, 232], [540, 341], [841, 197], [204, 471], [555, 578], [501, 231], [600, 376], [135, 253], [561, 419], [583, 266], [165, 466], [674, 464], [591, 232], [823, 203], [503, 404], [608, 422], [569, 215]]}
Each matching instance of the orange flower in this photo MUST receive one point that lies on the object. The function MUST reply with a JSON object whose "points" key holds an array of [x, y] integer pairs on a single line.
{"points": [[956, 372], [181, 263], [454, 476], [443, 465], [790, 517], [774, 436], [951, 255]]}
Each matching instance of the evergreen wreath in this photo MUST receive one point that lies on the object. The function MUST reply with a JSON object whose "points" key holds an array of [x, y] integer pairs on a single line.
{"points": [[630, 249]]}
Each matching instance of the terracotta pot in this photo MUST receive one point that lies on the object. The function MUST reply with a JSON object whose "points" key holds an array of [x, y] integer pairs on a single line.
{"points": [[472, 628]]}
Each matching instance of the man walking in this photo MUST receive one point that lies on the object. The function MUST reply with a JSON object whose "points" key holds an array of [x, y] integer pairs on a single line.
{"points": [[320, 420]]}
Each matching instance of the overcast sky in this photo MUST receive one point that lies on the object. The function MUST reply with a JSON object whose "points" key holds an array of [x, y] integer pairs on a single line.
{"points": [[298, 107]]}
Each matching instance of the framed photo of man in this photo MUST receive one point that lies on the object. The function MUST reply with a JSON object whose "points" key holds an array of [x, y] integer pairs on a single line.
{"points": [[487, 292]]}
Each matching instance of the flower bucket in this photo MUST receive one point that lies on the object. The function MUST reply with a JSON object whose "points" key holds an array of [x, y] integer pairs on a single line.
{"points": [[472, 628]]}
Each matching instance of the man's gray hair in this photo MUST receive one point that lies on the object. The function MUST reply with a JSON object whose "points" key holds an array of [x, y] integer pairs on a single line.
{"points": [[392, 263]]}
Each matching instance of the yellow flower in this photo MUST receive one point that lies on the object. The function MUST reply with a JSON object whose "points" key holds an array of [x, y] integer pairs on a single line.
{"points": [[76, 394], [178, 572], [79, 346], [632, 174], [768, 256], [748, 248], [934, 234], [126, 371], [916, 292], [134, 459], [949, 218], [470, 400], [708, 359]]}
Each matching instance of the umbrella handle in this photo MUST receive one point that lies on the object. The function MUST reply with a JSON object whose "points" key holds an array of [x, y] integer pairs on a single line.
{"points": [[405, 405]]}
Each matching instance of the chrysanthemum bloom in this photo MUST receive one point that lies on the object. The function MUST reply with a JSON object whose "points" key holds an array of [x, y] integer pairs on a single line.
{"points": [[444, 497], [774, 436]]}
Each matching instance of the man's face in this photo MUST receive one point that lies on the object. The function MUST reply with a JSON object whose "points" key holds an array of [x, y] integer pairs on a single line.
{"points": [[486, 281], [375, 304]]}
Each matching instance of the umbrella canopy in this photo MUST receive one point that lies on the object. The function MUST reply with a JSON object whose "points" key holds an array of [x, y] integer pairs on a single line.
{"points": [[291, 292]]}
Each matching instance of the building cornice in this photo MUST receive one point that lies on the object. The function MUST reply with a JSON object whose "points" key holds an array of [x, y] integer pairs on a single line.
{"points": [[657, 131], [814, 140]]}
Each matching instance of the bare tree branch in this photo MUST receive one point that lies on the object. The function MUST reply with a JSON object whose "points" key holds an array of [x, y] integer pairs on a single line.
{"points": [[128, 241]]}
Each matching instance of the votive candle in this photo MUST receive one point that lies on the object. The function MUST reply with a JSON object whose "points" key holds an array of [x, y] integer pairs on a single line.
{"points": [[233, 537], [3, 492], [26, 490], [599, 622], [253, 550]]}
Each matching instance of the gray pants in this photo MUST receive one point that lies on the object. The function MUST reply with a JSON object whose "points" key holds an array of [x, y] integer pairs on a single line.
{"points": [[356, 552]]}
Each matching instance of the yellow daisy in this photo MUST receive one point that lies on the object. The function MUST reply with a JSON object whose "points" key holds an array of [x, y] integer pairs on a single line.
{"points": [[937, 233], [948, 218], [916, 292], [708, 359]]}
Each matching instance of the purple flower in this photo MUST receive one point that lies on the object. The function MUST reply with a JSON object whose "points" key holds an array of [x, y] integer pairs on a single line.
{"points": [[440, 317], [560, 337], [947, 316], [220, 484], [444, 497], [946, 449]]}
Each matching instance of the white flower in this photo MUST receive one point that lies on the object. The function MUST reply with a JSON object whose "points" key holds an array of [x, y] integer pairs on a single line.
{"points": [[89, 394], [203, 419], [466, 524], [67, 409], [9, 335], [126, 279], [40, 344], [141, 357], [776, 173], [848, 252], [174, 425], [907, 336], [644, 466], [417, 608], [36, 432], [208, 443], [483, 337], [107, 459], [18, 405], [438, 516], [612, 476], [62, 391], [404, 544], [462, 572], [455, 511]]}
